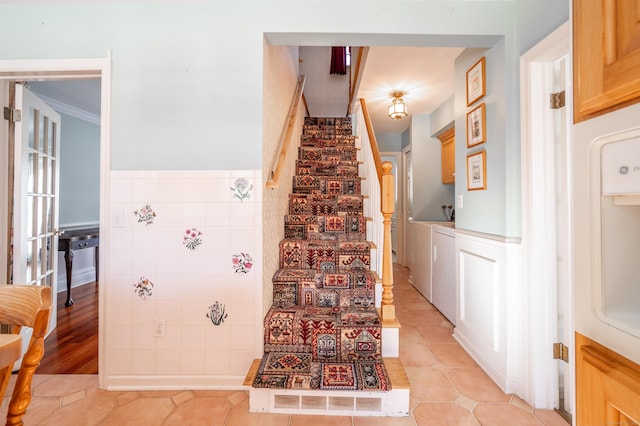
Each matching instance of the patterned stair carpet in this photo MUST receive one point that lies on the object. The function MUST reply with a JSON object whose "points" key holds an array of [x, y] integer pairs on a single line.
{"points": [[323, 331]]}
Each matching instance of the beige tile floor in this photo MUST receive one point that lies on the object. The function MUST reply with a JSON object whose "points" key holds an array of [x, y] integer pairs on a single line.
{"points": [[448, 388]]}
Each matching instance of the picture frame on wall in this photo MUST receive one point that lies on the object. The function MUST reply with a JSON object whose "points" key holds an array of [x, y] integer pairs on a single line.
{"points": [[477, 171], [476, 85], [476, 126]]}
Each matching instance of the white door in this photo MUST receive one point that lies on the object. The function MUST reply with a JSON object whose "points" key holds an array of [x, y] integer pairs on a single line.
{"points": [[561, 155], [35, 209], [546, 207]]}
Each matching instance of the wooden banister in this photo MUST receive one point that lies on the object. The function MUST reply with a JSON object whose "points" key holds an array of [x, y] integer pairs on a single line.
{"points": [[387, 202], [372, 139], [285, 138]]}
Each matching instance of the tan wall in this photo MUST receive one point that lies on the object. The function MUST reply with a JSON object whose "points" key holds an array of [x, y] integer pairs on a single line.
{"points": [[280, 77]]}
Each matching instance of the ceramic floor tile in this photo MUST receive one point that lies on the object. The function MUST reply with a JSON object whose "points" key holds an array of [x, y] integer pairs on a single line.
{"points": [[240, 416], [61, 385], [417, 355], [142, 411], [429, 384], [504, 414], [452, 355], [88, 411], [444, 414], [409, 334], [301, 420], [38, 412], [476, 385], [436, 333], [383, 421], [201, 411], [550, 418]]}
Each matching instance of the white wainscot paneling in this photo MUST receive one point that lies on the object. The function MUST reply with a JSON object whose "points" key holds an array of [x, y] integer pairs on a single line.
{"points": [[486, 324]]}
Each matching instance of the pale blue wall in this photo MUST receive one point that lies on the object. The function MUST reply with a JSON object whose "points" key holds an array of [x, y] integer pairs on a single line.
{"points": [[187, 76], [389, 142], [405, 138], [484, 210], [443, 116], [429, 194], [79, 171], [537, 19]]}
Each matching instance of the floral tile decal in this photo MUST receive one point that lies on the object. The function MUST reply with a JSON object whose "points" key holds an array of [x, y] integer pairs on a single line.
{"points": [[192, 238], [145, 215], [143, 288], [242, 263], [217, 313], [241, 188]]}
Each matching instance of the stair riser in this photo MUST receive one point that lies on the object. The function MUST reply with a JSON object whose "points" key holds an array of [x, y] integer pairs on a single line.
{"points": [[323, 331]]}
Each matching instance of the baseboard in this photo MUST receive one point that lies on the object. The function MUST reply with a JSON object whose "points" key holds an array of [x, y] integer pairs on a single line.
{"points": [[492, 371], [200, 382], [78, 278]]}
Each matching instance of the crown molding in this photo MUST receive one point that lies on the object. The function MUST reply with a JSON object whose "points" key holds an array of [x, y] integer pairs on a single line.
{"points": [[71, 110]]}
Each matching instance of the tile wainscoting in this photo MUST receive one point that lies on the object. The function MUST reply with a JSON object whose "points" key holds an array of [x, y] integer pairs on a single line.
{"points": [[184, 247]]}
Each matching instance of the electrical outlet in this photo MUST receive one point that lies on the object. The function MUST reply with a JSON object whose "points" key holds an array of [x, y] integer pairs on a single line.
{"points": [[159, 327]]}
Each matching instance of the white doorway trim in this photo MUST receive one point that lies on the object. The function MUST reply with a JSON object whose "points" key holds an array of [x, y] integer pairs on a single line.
{"points": [[74, 69], [540, 385], [405, 203]]}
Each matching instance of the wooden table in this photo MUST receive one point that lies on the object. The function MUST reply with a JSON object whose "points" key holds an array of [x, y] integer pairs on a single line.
{"points": [[75, 239], [10, 351]]}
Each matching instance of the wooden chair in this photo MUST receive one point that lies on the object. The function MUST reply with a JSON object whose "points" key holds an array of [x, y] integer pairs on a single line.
{"points": [[24, 306]]}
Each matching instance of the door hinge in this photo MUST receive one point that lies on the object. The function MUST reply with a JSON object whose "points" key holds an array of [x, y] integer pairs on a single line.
{"points": [[561, 351], [557, 100], [13, 115]]}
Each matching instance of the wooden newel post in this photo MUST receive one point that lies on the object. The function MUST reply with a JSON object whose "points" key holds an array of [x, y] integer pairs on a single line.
{"points": [[388, 198]]}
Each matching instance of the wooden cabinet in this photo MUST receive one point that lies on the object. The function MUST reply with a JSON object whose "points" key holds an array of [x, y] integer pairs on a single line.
{"points": [[606, 56], [448, 155], [607, 386]]}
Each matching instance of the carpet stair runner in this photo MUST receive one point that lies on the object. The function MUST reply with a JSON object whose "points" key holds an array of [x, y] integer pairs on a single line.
{"points": [[323, 330]]}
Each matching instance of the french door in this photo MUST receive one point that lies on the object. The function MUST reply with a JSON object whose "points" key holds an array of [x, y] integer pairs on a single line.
{"points": [[35, 195]]}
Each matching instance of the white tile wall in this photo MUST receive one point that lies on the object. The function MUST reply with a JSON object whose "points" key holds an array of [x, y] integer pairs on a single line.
{"points": [[186, 282]]}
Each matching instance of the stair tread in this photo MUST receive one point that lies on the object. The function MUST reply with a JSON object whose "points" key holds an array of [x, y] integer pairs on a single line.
{"points": [[323, 317]]}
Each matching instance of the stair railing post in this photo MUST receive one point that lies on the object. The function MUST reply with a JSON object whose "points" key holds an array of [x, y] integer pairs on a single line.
{"points": [[387, 203]]}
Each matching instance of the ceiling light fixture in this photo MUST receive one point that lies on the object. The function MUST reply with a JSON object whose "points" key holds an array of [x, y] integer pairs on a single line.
{"points": [[398, 109]]}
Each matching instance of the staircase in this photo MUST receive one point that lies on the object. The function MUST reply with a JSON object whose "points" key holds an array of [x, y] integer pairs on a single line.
{"points": [[323, 350]]}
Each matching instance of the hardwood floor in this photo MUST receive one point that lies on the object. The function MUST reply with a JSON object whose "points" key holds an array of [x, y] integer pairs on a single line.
{"points": [[72, 348]]}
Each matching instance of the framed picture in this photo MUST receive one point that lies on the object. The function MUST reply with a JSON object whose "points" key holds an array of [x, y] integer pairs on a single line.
{"points": [[476, 85], [477, 171], [476, 126]]}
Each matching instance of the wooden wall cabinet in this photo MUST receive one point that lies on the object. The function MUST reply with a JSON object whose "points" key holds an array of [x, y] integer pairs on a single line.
{"points": [[606, 56], [448, 154], [607, 386]]}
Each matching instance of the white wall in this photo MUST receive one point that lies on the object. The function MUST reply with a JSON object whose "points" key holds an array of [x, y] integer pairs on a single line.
{"points": [[331, 88]]}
